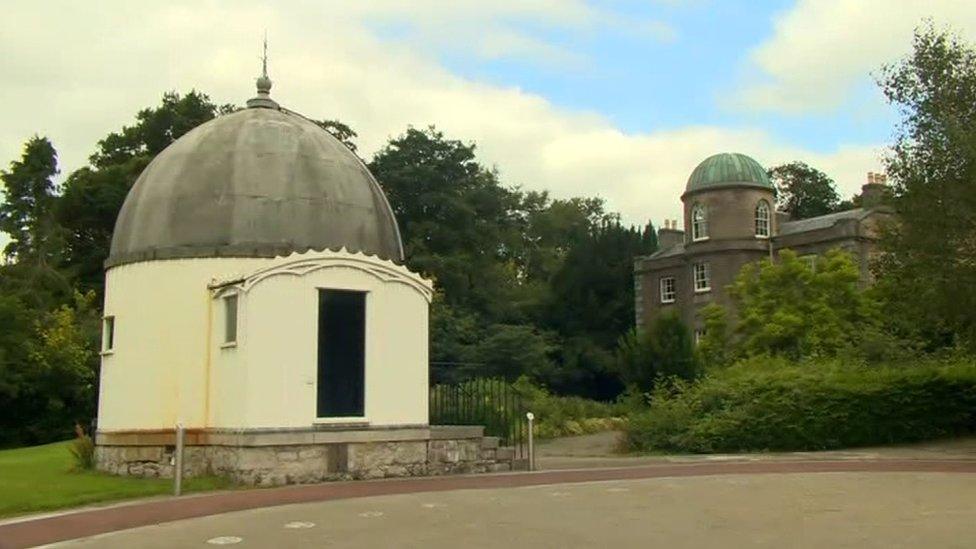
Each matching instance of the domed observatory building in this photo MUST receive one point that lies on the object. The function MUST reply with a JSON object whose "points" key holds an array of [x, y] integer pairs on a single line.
{"points": [[255, 295], [730, 220]]}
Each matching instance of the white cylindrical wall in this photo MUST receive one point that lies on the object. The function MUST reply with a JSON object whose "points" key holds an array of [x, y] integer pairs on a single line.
{"points": [[270, 378], [170, 364], [155, 375]]}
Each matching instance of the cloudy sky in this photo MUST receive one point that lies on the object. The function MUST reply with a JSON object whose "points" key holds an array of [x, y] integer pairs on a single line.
{"points": [[619, 99]]}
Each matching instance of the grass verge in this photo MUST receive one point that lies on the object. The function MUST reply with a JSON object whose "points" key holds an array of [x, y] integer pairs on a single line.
{"points": [[40, 478]]}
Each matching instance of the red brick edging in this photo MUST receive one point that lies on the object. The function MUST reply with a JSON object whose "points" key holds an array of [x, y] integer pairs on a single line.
{"points": [[31, 532]]}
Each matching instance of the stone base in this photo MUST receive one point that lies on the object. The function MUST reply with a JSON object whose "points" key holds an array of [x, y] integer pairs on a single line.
{"points": [[271, 458]]}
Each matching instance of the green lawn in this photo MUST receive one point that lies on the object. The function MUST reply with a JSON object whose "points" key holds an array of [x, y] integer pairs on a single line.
{"points": [[40, 478]]}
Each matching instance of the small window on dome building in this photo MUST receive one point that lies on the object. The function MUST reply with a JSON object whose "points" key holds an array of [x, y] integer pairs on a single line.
{"points": [[230, 320], [108, 334], [699, 223], [762, 219]]}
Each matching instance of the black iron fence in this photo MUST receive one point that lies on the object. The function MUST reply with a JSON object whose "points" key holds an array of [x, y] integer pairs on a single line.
{"points": [[493, 403]]}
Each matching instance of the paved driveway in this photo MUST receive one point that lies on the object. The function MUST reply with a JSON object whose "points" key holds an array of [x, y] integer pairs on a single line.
{"points": [[601, 450], [906, 509]]}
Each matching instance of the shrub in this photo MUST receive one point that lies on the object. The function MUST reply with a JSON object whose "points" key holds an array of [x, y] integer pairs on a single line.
{"points": [[769, 404], [558, 416], [714, 349], [82, 450], [480, 402]]}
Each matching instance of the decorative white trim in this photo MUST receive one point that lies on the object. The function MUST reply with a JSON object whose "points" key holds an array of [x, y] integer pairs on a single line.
{"points": [[301, 264]]}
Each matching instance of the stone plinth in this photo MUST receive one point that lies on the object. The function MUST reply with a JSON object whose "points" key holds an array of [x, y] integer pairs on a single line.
{"points": [[277, 457]]}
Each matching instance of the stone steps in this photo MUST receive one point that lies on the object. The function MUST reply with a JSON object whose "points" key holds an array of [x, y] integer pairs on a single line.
{"points": [[502, 458], [505, 453]]}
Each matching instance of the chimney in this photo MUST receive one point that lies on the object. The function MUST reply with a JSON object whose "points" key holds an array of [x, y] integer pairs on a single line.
{"points": [[669, 235], [873, 192]]}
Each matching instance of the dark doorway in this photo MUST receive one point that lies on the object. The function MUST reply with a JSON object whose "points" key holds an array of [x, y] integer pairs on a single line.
{"points": [[342, 353]]}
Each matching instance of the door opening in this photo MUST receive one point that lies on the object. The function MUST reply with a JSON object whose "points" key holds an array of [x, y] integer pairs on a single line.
{"points": [[341, 354]]}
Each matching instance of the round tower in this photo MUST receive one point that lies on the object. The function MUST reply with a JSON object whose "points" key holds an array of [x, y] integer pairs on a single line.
{"points": [[729, 197]]}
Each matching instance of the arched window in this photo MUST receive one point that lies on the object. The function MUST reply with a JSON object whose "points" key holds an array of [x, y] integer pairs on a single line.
{"points": [[762, 219], [699, 223]]}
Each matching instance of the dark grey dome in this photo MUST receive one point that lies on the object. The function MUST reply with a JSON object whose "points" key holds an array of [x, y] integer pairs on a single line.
{"points": [[260, 182]]}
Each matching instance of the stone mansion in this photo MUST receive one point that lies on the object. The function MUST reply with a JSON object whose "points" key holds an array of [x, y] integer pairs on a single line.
{"points": [[730, 220]]}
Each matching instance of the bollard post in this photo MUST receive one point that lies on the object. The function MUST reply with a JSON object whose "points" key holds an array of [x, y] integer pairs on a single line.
{"points": [[178, 462], [531, 417]]}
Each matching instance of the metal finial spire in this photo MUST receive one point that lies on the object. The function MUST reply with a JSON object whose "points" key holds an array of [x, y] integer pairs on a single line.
{"points": [[263, 98], [264, 59]]}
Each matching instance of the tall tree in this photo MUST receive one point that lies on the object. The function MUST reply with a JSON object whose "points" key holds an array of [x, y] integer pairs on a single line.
{"points": [[552, 227], [929, 270], [29, 193], [456, 219], [157, 127], [591, 305], [593, 291], [803, 191]]}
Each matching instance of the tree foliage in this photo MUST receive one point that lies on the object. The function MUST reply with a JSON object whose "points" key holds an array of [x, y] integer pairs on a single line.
{"points": [[665, 350], [340, 131], [796, 310], [715, 346], [552, 277], [929, 269], [29, 191], [455, 218], [803, 191], [156, 128], [48, 369]]}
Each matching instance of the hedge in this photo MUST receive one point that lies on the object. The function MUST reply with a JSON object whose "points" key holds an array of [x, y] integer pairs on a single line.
{"points": [[770, 405]]}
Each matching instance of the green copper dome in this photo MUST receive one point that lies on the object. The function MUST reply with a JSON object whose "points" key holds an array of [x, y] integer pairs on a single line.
{"points": [[725, 169]]}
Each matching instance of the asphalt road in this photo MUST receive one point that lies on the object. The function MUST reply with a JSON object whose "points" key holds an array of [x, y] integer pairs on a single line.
{"points": [[842, 509]]}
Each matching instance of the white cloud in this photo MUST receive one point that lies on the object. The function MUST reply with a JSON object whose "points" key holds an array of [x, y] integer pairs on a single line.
{"points": [[821, 50], [77, 72]]}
